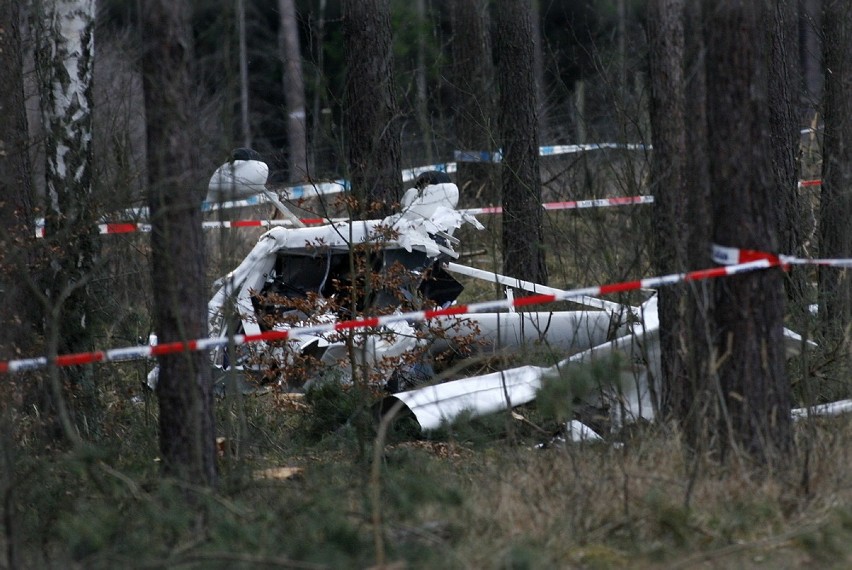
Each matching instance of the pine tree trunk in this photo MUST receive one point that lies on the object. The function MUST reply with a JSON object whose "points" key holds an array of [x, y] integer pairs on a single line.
{"points": [[523, 240], [668, 186], [754, 393], [245, 116], [810, 54], [420, 76], [18, 312], [176, 189], [696, 402], [835, 286], [371, 118], [784, 98], [473, 104], [294, 91]]}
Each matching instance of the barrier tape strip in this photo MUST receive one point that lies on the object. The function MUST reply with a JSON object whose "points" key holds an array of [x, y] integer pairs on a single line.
{"points": [[725, 255], [325, 188], [288, 193], [573, 204], [137, 352], [129, 227], [301, 191], [497, 156], [409, 174]]}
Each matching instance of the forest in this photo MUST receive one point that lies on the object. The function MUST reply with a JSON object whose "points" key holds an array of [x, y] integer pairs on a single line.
{"points": [[425, 283]]}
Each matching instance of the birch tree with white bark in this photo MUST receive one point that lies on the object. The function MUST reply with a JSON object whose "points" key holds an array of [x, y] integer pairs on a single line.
{"points": [[64, 65]]}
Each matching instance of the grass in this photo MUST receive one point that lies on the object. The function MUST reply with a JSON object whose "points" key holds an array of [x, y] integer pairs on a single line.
{"points": [[477, 494]]}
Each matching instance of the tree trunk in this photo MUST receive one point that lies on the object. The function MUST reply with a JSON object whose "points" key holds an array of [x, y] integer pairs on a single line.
{"points": [[523, 240], [754, 394], [19, 313], [580, 111], [810, 54], [319, 104], [784, 97], [184, 389], [472, 101], [692, 406], [621, 10], [420, 76], [294, 91], [245, 117], [835, 286], [371, 119], [64, 56], [538, 70], [668, 186]]}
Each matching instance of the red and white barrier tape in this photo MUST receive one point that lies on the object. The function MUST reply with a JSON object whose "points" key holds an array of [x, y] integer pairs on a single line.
{"points": [[137, 352], [573, 204], [130, 227], [724, 255]]}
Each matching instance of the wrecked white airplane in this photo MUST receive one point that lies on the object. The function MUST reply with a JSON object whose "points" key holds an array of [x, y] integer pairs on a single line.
{"points": [[296, 277], [300, 276]]}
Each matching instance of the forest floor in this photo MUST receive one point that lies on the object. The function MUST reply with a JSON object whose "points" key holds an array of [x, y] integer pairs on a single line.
{"points": [[305, 483]]}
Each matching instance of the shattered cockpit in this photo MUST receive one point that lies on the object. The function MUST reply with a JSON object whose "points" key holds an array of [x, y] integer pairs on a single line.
{"points": [[295, 277], [329, 274]]}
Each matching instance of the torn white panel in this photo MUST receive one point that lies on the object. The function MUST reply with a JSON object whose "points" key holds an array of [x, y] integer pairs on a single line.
{"points": [[153, 377], [576, 432], [579, 432], [487, 393], [793, 343], [561, 331], [493, 277], [831, 409], [424, 202], [414, 233], [629, 397], [480, 395], [243, 177], [237, 179], [248, 276], [397, 339]]}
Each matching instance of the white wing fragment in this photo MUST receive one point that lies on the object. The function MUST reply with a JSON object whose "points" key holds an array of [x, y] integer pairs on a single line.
{"points": [[629, 397]]}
